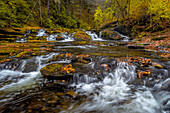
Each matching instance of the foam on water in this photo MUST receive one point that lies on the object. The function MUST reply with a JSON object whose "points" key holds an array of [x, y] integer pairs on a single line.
{"points": [[114, 95], [41, 32], [52, 38], [25, 80], [67, 37], [17, 80]]}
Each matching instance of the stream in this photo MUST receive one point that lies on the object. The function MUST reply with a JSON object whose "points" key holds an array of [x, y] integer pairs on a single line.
{"points": [[103, 82]]}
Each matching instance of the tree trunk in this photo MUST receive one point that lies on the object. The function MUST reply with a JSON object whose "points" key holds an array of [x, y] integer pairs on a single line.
{"points": [[31, 11], [67, 7], [40, 11], [129, 9], [81, 7], [59, 8], [48, 6], [151, 16]]}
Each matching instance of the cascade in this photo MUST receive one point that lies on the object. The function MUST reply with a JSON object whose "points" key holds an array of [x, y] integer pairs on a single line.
{"points": [[114, 95], [126, 38], [41, 32], [93, 35]]}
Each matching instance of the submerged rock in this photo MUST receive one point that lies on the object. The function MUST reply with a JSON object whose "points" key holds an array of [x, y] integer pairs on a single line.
{"points": [[30, 67]]}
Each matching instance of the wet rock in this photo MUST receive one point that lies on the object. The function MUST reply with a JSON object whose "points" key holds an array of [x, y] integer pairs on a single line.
{"points": [[111, 44], [122, 43], [156, 65], [23, 54], [85, 59], [70, 93], [11, 64], [135, 47], [58, 71], [30, 67], [59, 37], [61, 57], [82, 36], [51, 70]]}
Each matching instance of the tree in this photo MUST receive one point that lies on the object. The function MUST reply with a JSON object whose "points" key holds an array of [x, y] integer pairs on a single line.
{"points": [[81, 7], [40, 11], [98, 16], [48, 9], [67, 7], [160, 9]]}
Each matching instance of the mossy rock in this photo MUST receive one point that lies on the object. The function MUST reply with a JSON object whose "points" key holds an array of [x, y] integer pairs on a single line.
{"points": [[110, 35], [5, 60], [81, 59], [156, 65], [23, 54], [58, 71], [36, 38], [82, 42], [158, 38], [82, 36], [52, 70], [59, 37], [57, 57], [38, 53], [105, 35]]}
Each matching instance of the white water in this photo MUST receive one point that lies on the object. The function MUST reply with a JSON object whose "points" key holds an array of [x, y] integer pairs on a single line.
{"points": [[52, 38], [41, 32], [67, 37], [21, 40], [126, 38], [11, 80], [78, 46], [20, 80], [114, 95], [94, 36]]}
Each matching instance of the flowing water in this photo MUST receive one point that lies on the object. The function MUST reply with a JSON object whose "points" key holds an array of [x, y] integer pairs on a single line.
{"points": [[97, 89]]}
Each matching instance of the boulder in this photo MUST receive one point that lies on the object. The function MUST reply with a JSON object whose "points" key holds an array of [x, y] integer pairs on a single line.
{"points": [[58, 71], [82, 36]]}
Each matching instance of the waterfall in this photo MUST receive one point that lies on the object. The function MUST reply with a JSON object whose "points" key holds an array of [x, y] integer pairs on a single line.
{"points": [[41, 32], [93, 35], [15, 80], [126, 38], [114, 95], [52, 38]]}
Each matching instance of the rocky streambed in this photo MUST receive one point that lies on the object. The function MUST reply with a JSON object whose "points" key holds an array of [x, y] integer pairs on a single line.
{"points": [[77, 76]]}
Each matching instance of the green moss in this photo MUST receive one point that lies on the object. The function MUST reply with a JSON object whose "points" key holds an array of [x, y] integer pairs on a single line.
{"points": [[36, 38], [82, 42], [158, 38], [51, 69], [57, 57], [22, 54], [82, 36]]}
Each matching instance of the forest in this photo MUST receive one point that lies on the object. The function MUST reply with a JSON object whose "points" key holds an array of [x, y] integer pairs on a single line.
{"points": [[83, 13]]}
